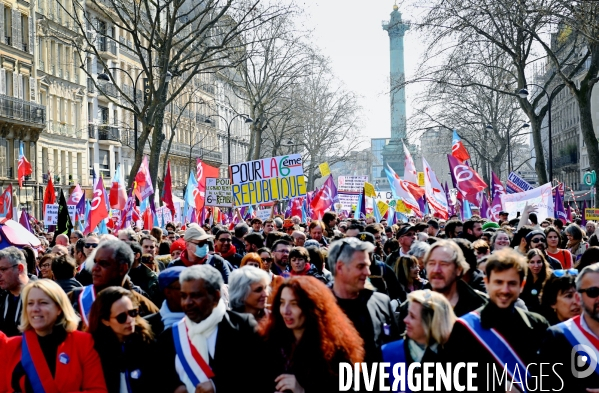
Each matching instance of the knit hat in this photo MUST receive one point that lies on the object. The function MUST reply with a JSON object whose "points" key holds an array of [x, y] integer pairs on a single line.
{"points": [[169, 276], [178, 244], [490, 224]]}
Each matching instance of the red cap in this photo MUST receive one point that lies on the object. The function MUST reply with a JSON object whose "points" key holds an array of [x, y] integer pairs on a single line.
{"points": [[178, 245]]}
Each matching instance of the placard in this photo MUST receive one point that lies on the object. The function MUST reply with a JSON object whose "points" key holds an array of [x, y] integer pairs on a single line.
{"points": [[324, 169], [72, 212], [351, 183], [516, 184], [369, 190], [383, 207], [348, 201], [421, 179], [591, 214], [263, 214], [51, 214], [267, 180], [218, 192]]}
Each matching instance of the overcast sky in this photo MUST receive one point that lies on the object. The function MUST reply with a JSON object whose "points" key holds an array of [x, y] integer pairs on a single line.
{"points": [[351, 34]]}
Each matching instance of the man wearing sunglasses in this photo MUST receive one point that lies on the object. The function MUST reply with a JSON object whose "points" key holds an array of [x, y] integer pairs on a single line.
{"points": [[537, 239], [224, 246], [112, 261], [575, 343]]}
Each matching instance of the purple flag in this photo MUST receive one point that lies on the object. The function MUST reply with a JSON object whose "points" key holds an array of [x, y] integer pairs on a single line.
{"points": [[568, 212], [495, 208], [450, 207], [24, 220], [496, 186], [422, 205], [583, 220], [485, 210], [558, 209]]}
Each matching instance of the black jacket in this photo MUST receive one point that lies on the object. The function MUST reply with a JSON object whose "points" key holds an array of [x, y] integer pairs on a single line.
{"points": [[469, 300], [237, 365], [523, 330], [135, 357], [216, 261], [68, 285], [147, 280], [9, 323], [385, 280], [239, 246], [557, 351]]}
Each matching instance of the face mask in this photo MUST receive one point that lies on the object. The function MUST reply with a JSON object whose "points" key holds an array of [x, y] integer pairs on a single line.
{"points": [[201, 251]]}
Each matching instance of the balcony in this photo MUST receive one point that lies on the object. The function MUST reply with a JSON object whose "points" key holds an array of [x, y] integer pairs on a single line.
{"points": [[107, 48], [64, 129], [23, 111], [563, 161], [108, 133], [184, 150], [108, 89]]}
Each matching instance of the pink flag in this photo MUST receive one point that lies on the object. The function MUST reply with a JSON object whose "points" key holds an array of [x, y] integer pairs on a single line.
{"points": [[410, 175], [468, 182], [118, 192], [144, 186], [435, 195]]}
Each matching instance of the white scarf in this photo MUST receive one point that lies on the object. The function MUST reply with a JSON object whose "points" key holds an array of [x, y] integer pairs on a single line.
{"points": [[168, 317], [199, 332]]}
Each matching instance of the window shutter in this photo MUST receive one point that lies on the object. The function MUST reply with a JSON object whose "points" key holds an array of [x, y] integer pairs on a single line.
{"points": [[16, 21], [20, 86], [10, 79], [2, 81], [32, 89], [2, 23], [31, 34]]}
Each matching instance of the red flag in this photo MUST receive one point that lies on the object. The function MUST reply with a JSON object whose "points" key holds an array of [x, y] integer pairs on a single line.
{"points": [[167, 190], [24, 167], [6, 203], [98, 210], [467, 181], [49, 194], [458, 150], [202, 172]]}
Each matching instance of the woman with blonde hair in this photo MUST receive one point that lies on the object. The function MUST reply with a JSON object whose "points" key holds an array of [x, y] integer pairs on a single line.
{"points": [[429, 324], [51, 355]]}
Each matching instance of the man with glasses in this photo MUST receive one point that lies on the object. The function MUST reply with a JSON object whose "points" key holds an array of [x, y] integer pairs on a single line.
{"points": [[13, 278], [76, 235], [280, 251], [575, 343], [369, 311], [405, 236], [197, 252], [112, 262], [226, 249]]}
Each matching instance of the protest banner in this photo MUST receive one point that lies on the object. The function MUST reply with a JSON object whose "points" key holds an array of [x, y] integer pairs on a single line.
{"points": [[72, 212], [267, 180], [351, 183], [517, 184], [347, 200], [51, 214], [540, 196], [369, 190], [263, 214], [218, 192], [591, 214], [324, 169]]}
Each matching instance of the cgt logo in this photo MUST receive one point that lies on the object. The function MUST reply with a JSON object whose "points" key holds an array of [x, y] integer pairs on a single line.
{"points": [[581, 356]]}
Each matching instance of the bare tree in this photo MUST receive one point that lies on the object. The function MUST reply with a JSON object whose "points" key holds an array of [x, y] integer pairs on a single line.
{"points": [[169, 39]]}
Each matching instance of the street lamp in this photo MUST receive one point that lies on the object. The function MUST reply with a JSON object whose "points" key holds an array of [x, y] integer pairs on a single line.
{"points": [[247, 120], [523, 93]]}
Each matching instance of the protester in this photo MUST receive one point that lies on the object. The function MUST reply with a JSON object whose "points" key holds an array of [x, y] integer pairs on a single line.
{"points": [[419, 250], [83, 275], [307, 336], [252, 259], [112, 261], [249, 288], [560, 342], [217, 335], [143, 274], [280, 253], [226, 249], [46, 266], [253, 241], [318, 258], [576, 245], [124, 342], [240, 231], [538, 274], [407, 272], [13, 278], [177, 247], [299, 238], [429, 324], [50, 342], [405, 236], [554, 239], [369, 311], [316, 231], [559, 299], [537, 240], [521, 331], [196, 252], [299, 263], [170, 310], [63, 270]]}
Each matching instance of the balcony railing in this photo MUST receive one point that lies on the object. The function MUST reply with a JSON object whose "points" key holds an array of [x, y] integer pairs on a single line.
{"points": [[108, 133], [63, 129], [109, 89], [16, 109], [42, 66], [183, 149], [570, 159], [107, 45]]}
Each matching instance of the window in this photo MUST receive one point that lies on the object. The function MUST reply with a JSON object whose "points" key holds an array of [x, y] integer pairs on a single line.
{"points": [[3, 157], [104, 163], [25, 32]]}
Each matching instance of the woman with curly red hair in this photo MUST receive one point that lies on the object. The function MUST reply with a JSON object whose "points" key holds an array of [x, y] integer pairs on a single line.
{"points": [[307, 336]]}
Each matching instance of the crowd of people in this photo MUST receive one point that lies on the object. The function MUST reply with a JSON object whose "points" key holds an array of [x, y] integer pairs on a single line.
{"points": [[277, 306]]}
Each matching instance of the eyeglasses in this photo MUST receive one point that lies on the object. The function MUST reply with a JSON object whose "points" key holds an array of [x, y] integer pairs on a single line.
{"points": [[224, 240], [122, 317], [91, 245], [563, 272], [591, 292], [537, 240], [283, 251], [4, 269], [267, 260]]}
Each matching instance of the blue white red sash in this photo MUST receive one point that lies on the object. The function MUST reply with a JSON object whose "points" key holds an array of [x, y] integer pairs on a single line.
{"points": [[195, 366], [578, 335], [34, 363], [86, 299], [500, 349], [394, 353]]}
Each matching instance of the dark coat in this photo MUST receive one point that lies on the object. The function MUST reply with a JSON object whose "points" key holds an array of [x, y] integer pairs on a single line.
{"points": [[523, 330], [155, 321], [69, 284], [239, 246], [468, 300], [135, 356], [555, 348], [84, 277], [213, 260], [237, 365], [234, 260], [385, 280], [147, 280]]}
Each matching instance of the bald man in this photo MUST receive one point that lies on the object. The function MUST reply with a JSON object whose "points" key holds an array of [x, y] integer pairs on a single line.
{"points": [[62, 240]]}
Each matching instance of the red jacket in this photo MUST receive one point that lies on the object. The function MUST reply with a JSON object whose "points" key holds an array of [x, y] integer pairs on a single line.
{"points": [[82, 373]]}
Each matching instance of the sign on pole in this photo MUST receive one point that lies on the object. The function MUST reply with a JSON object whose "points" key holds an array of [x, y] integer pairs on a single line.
{"points": [[51, 214], [351, 183], [267, 180], [516, 184], [218, 192], [591, 214]]}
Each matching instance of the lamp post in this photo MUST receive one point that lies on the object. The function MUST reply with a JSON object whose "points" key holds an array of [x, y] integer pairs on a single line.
{"points": [[104, 77], [228, 123], [523, 93]]}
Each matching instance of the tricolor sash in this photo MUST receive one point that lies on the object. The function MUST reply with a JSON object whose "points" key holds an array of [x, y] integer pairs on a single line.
{"points": [[394, 353], [195, 366], [86, 299], [577, 335], [500, 349], [34, 363]]}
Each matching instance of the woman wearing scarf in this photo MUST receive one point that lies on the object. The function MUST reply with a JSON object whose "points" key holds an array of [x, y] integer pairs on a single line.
{"points": [[51, 355], [124, 341], [429, 323], [299, 261], [576, 245], [226, 249]]}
